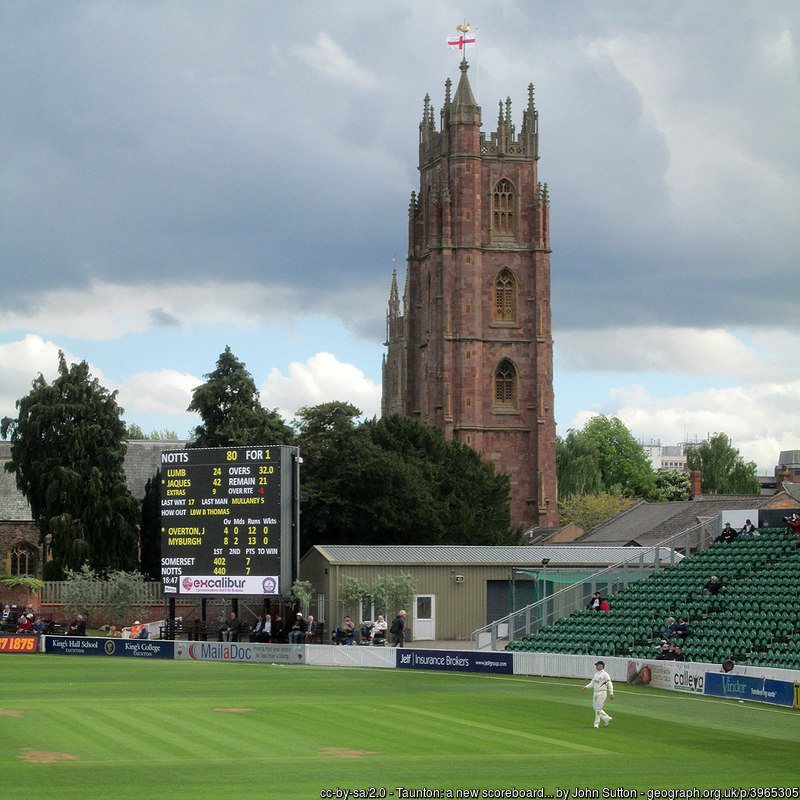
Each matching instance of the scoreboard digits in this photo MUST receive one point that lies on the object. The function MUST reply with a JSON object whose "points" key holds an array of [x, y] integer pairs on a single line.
{"points": [[226, 519]]}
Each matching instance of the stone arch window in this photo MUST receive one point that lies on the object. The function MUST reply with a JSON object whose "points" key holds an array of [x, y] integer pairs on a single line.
{"points": [[21, 560], [503, 208], [505, 385], [505, 297]]}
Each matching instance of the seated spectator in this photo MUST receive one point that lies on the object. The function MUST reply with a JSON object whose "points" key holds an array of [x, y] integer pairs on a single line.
{"points": [[257, 630], [39, 625], [311, 627], [277, 632], [378, 631], [665, 654], [594, 603], [669, 631], [682, 628], [230, 631], [713, 586], [298, 630], [7, 617], [604, 606], [677, 654], [143, 632], [728, 534], [25, 624], [78, 626], [344, 632], [792, 524], [749, 529]]}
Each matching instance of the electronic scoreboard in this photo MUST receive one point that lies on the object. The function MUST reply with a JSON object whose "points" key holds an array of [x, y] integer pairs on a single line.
{"points": [[229, 520]]}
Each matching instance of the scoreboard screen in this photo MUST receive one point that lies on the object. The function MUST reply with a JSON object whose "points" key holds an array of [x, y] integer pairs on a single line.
{"points": [[227, 520]]}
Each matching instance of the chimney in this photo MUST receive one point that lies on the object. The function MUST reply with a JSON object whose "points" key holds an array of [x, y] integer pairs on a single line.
{"points": [[782, 476], [695, 482]]}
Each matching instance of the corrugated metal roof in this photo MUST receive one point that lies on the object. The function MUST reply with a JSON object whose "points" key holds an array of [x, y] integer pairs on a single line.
{"points": [[559, 555]]}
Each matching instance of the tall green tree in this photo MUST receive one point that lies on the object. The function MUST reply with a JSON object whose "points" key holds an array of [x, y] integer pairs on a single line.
{"points": [[230, 410], [67, 452], [150, 533], [604, 457], [722, 468], [394, 481]]}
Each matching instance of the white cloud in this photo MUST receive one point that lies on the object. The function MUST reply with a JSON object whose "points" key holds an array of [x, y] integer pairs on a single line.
{"points": [[748, 356], [321, 379], [761, 419], [164, 391], [328, 59], [21, 362]]}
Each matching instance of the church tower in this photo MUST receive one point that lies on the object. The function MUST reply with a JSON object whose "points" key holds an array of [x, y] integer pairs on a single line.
{"points": [[471, 349]]}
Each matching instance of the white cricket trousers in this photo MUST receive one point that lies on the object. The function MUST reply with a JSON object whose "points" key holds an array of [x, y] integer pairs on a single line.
{"points": [[598, 699]]}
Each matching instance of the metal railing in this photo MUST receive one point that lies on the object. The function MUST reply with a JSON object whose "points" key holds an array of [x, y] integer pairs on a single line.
{"points": [[610, 580]]}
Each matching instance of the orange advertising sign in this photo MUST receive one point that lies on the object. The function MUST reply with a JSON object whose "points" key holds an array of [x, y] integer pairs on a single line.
{"points": [[19, 644]]}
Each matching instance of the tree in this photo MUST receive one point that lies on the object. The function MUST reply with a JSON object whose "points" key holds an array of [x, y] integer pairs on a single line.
{"points": [[590, 510], [722, 469], [604, 457], [229, 407], [395, 480], [133, 431], [67, 452], [672, 485], [150, 533]]}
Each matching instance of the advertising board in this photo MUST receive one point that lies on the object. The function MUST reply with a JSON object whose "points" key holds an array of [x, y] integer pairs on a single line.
{"points": [[456, 660], [241, 651], [19, 644], [102, 646]]}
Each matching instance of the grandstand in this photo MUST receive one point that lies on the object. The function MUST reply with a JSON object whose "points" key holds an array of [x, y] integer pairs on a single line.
{"points": [[755, 620]]}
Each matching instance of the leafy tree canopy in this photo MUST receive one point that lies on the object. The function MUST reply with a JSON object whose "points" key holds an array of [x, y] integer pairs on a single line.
{"points": [[67, 451], [229, 407], [603, 456], [672, 485], [722, 469], [395, 481], [590, 510]]}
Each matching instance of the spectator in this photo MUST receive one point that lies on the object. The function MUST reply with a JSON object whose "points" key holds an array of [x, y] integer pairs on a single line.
{"points": [[682, 628], [377, 632], [713, 586], [298, 629], [669, 631], [311, 627], [344, 633], [728, 534], [665, 654], [231, 629], [78, 626], [25, 624], [594, 603], [7, 618], [139, 631], [792, 523], [276, 629], [677, 654], [604, 606], [748, 529], [398, 629], [39, 626], [257, 630]]}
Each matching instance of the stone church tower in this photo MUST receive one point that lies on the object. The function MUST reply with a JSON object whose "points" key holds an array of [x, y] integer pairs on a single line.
{"points": [[471, 348]]}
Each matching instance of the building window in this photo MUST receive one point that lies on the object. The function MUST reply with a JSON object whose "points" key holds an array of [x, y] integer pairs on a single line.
{"points": [[503, 208], [21, 560], [505, 384], [505, 297]]}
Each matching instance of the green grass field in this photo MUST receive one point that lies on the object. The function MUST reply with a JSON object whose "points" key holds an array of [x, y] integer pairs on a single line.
{"points": [[88, 727]]}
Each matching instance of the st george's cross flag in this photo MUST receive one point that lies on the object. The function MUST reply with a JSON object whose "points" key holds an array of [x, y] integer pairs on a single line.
{"points": [[460, 41]]}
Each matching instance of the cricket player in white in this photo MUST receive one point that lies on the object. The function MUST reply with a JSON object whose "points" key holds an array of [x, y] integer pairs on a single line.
{"points": [[602, 686]]}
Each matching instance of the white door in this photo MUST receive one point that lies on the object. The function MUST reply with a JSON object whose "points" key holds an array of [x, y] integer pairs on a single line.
{"points": [[424, 623]]}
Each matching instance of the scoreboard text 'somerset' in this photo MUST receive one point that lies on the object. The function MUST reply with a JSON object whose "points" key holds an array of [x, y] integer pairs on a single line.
{"points": [[227, 517]]}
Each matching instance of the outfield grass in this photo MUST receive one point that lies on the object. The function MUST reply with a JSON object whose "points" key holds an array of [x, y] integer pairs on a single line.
{"points": [[89, 727]]}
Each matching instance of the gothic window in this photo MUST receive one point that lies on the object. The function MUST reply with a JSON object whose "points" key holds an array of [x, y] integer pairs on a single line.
{"points": [[505, 297], [503, 208], [505, 384], [21, 560]]}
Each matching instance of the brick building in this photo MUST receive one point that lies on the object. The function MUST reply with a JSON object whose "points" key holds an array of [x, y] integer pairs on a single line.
{"points": [[471, 350]]}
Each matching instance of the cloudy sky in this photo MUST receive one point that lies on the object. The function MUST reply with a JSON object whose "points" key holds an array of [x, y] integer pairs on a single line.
{"points": [[181, 175]]}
